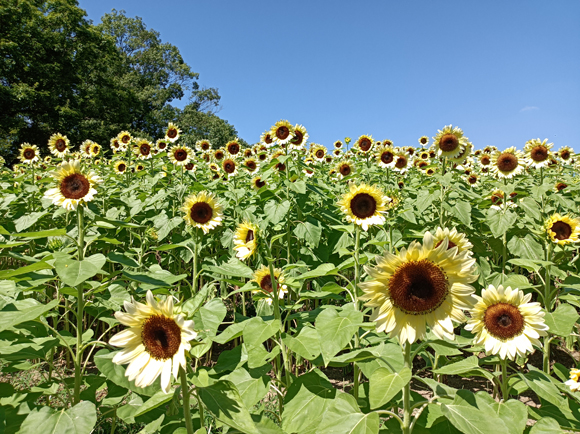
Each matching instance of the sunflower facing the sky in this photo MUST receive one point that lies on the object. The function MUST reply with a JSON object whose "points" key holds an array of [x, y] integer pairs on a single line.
{"points": [[506, 322], [364, 143], [155, 343], [73, 186], [538, 153], [28, 153], [563, 230], [364, 205], [245, 240], [58, 145], [266, 139], [203, 210], [282, 132], [422, 286], [180, 155], [507, 164], [424, 140]]}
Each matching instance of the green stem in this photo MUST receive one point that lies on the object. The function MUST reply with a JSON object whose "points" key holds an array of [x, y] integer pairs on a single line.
{"points": [[546, 355], [194, 281], [504, 381], [407, 392], [356, 370], [186, 408], [441, 210], [200, 408], [80, 309]]}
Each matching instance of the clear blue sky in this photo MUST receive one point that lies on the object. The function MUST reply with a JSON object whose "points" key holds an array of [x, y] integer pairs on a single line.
{"points": [[504, 71]]}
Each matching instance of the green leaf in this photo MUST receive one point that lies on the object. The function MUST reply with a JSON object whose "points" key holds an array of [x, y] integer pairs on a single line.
{"points": [[384, 385], [28, 220], [462, 210], [136, 409], [471, 420], [542, 385], [251, 385], [257, 330], [276, 211], [513, 413], [343, 416], [10, 318], [530, 264], [233, 268], [526, 247], [499, 222], [122, 259], [41, 265], [41, 234], [209, 317], [460, 367], [335, 330], [309, 232], [321, 270], [562, 320], [79, 419], [306, 343], [546, 425], [73, 272]]}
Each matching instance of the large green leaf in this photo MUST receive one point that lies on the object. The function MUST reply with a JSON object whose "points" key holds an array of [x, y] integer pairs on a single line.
{"points": [[276, 211], [513, 413], [10, 318], [309, 232], [251, 385], [460, 367], [462, 210], [499, 221], [73, 272], [336, 329], [41, 265], [546, 425], [343, 416], [28, 220], [562, 320], [306, 343], [469, 419], [257, 330], [542, 385], [384, 385], [233, 268], [79, 419], [209, 317]]}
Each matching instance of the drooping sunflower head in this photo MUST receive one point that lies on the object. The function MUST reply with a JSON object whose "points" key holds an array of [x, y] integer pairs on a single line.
{"points": [[464, 154], [538, 153], [29, 153], [424, 140], [282, 132], [449, 142], [233, 147], [506, 164], [172, 132], [422, 286], [506, 322], [563, 230], [560, 186], [245, 240], [120, 167], [180, 155], [264, 280], [454, 239], [58, 145], [364, 205], [203, 210], [364, 143], [74, 186], [258, 183], [300, 137]]}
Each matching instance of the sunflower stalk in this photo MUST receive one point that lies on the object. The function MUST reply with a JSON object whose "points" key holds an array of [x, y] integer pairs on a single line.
{"points": [[441, 209], [80, 308], [186, 406], [407, 391], [504, 380], [356, 370]]}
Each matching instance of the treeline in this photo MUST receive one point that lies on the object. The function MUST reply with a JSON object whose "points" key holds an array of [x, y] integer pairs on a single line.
{"points": [[61, 73]]}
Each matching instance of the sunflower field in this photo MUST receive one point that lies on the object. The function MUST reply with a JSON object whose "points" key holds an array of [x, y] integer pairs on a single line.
{"points": [[289, 287]]}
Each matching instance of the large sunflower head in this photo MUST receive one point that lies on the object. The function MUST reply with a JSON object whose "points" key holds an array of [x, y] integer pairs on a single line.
{"points": [[172, 132], [155, 342], [233, 147], [120, 167], [318, 152], [282, 132], [344, 168], [422, 286], [364, 143], [300, 137], [364, 205], [251, 165], [386, 157], [28, 153], [180, 155], [124, 137], [538, 153], [230, 167], [508, 163], [143, 148], [58, 145], [449, 142], [203, 210], [402, 162], [563, 229], [74, 187], [264, 280], [219, 154], [506, 322], [245, 239]]}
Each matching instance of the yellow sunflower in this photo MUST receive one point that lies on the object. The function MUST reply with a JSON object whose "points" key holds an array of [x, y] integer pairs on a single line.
{"points": [[155, 343], [574, 382], [282, 132], [172, 132], [402, 162], [338, 144], [563, 229], [125, 137], [73, 186], [58, 145], [95, 149], [300, 137], [230, 167], [219, 154], [251, 165], [422, 286], [143, 149], [161, 144], [266, 139], [472, 179], [28, 153], [139, 167], [506, 322], [203, 210], [424, 140], [449, 142], [386, 157], [344, 168], [264, 280], [318, 152], [454, 239], [565, 153], [258, 183], [117, 146], [203, 145], [180, 155], [364, 143], [120, 167], [538, 153], [507, 164], [245, 240], [233, 147], [364, 205]]}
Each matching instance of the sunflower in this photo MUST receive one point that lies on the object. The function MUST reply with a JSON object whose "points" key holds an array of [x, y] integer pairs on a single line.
{"points": [[364, 143], [124, 137], [464, 154], [364, 205], [300, 137], [563, 229], [73, 186], [309, 172], [203, 145], [245, 240], [424, 140], [560, 186], [161, 144], [574, 382], [454, 239], [203, 210], [472, 179], [258, 183], [386, 157], [180, 155], [219, 154], [266, 139], [264, 280], [262, 156], [143, 149], [47, 159], [120, 167], [155, 342], [251, 165], [538, 153], [338, 144], [506, 322], [190, 167], [29, 153], [429, 171], [248, 152], [449, 142], [139, 167], [233, 147], [172, 132], [337, 152], [565, 153], [401, 162], [506, 164], [282, 132], [230, 167], [58, 145], [117, 146], [344, 168], [422, 286]]}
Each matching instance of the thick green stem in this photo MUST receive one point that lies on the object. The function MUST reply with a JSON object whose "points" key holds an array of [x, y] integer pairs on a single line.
{"points": [[356, 370], [407, 392], [194, 282], [186, 407], [80, 309], [504, 380], [441, 210], [546, 355]]}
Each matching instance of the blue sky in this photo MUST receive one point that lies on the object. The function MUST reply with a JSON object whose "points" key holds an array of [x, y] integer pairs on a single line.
{"points": [[505, 72]]}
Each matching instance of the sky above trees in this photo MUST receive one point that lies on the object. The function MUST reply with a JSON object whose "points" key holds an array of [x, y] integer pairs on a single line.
{"points": [[505, 72]]}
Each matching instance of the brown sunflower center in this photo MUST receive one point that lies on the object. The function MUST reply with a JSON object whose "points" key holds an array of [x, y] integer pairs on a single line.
{"points": [[503, 321], [387, 157], [145, 149], [205, 146], [121, 167], [282, 132], [281, 167], [423, 140], [472, 179], [345, 170], [75, 186], [161, 337], [363, 205], [448, 143], [201, 212], [60, 145], [507, 162], [422, 164], [268, 139], [266, 283], [233, 148], [539, 153], [249, 236], [162, 145], [562, 230], [172, 133], [298, 137], [251, 165], [219, 155], [401, 162], [189, 166], [561, 186], [259, 183], [29, 153], [116, 145], [418, 287], [125, 139], [180, 155], [319, 153], [565, 154], [262, 157], [229, 166], [365, 144]]}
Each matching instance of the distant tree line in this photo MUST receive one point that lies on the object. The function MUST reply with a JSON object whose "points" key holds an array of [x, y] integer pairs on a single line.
{"points": [[61, 73]]}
